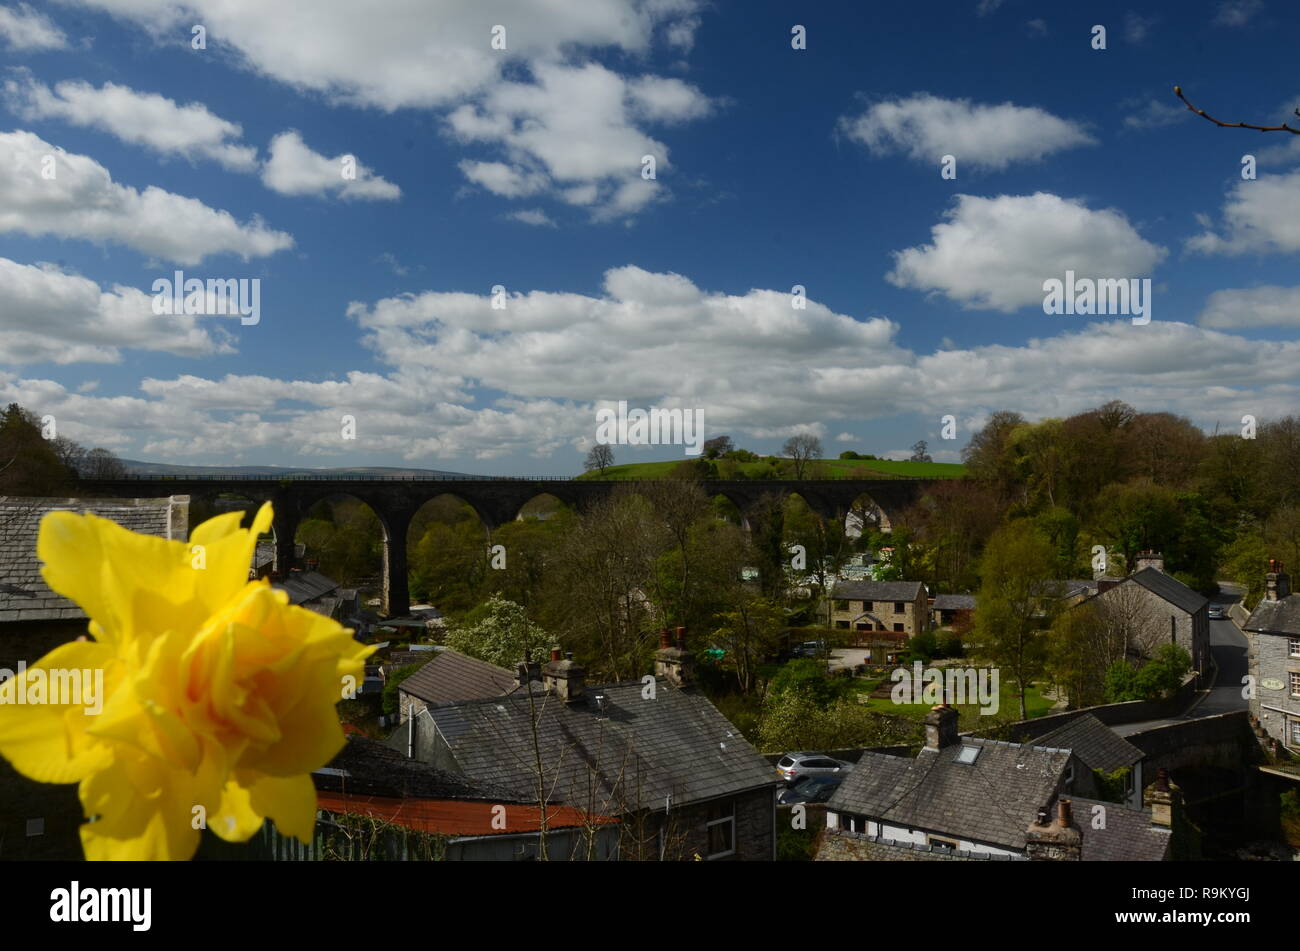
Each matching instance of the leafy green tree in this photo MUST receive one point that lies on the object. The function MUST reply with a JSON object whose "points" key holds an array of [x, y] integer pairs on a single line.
{"points": [[1078, 655], [29, 464], [749, 634], [1013, 612], [499, 632]]}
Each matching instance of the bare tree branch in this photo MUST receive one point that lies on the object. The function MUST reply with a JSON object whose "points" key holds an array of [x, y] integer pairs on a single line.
{"points": [[1178, 91]]}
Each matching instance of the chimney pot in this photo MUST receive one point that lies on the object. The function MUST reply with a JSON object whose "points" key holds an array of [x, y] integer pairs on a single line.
{"points": [[1063, 813], [555, 653], [681, 638], [665, 639]]}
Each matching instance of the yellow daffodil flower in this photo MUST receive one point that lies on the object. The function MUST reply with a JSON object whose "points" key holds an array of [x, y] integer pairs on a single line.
{"points": [[218, 695]]}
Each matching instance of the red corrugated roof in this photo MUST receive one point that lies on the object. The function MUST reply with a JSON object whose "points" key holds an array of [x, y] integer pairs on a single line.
{"points": [[456, 817]]}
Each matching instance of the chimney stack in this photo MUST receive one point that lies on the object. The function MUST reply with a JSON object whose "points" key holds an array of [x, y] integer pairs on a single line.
{"points": [[674, 662], [1150, 559], [526, 672], [941, 727], [564, 678], [1054, 841], [1277, 583], [1163, 798]]}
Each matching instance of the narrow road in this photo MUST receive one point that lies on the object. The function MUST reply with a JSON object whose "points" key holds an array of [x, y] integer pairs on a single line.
{"points": [[1228, 646]]}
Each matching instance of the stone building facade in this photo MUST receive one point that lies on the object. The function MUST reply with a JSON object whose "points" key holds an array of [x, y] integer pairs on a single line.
{"points": [[1273, 657], [899, 607]]}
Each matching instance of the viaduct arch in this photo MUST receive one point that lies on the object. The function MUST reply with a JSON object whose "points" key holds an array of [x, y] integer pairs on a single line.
{"points": [[497, 501]]}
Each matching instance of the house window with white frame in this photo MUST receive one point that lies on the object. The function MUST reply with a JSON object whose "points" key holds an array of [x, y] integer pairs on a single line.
{"points": [[1295, 683], [1293, 646], [721, 828], [1295, 733]]}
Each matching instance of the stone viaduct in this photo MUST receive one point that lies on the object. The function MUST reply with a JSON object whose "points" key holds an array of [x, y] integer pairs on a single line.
{"points": [[395, 500]]}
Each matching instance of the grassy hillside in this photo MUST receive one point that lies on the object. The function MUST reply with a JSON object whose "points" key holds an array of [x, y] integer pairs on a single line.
{"points": [[840, 468]]}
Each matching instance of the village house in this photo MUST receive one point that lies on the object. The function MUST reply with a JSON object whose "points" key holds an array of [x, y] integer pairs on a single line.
{"points": [[970, 799], [1273, 631], [652, 752], [947, 610], [452, 677], [895, 606], [1154, 608]]}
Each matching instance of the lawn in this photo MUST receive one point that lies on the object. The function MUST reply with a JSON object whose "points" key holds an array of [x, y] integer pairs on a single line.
{"points": [[1036, 705]]}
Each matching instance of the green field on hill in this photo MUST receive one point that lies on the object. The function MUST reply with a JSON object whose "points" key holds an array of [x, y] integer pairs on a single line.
{"points": [[839, 468]]}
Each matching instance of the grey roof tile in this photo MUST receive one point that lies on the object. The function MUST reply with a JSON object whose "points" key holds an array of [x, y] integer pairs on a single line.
{"points": [[451, 677], [877, 590], [1097, 745], [1171, 589], [636, 753], [992, 800], [1276, 617], [24, 595]]}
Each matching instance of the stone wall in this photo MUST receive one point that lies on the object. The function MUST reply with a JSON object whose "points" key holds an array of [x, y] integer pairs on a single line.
{"points": [[1270, 659]]}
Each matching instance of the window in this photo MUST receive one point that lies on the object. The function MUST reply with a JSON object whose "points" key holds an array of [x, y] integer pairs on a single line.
{"points": [[722, 829], [900, 607], [1295, 684], [1295, 732], [1293, 645], [940, 842], [898, 628], [841, 605], [863, 626], [868, 606]]}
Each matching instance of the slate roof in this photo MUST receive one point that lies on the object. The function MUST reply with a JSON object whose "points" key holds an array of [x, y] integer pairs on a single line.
{"points": [[1097, 745], [992, 800], [877, 590], [637, 753], [374, 769], [1171, 589], [24, 596], [452, 677], [1276, 617], [954, 602], [305, 586], [1129, 835]]}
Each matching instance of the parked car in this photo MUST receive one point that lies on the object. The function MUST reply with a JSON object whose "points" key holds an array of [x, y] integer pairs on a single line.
{"points": [[809, 789], [1216, 611], [793, 767], [811, 649]]}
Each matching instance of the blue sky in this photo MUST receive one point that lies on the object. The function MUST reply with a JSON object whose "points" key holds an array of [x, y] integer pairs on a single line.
{"points": [[522, 167]]}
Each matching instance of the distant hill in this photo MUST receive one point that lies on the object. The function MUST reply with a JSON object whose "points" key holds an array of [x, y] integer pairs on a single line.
{"points": [[135, 467], [839, 469]]}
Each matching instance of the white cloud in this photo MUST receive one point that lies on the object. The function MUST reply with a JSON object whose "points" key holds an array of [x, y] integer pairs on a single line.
{"points": [[995, 253], [1137, 28], [1237, 12], [294, 169], [1266, 306], [574, 123], [501, 179], [82, 201], [1153, 113], [56, 317], [466, 381], [926, 127], [23, 28], [145, 119], [846, 437], [532, 216], [572, 130], [1261, 215]]}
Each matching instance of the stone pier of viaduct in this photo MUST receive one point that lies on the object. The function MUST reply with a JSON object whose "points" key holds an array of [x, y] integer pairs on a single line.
{"points": [[497, 501]]}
